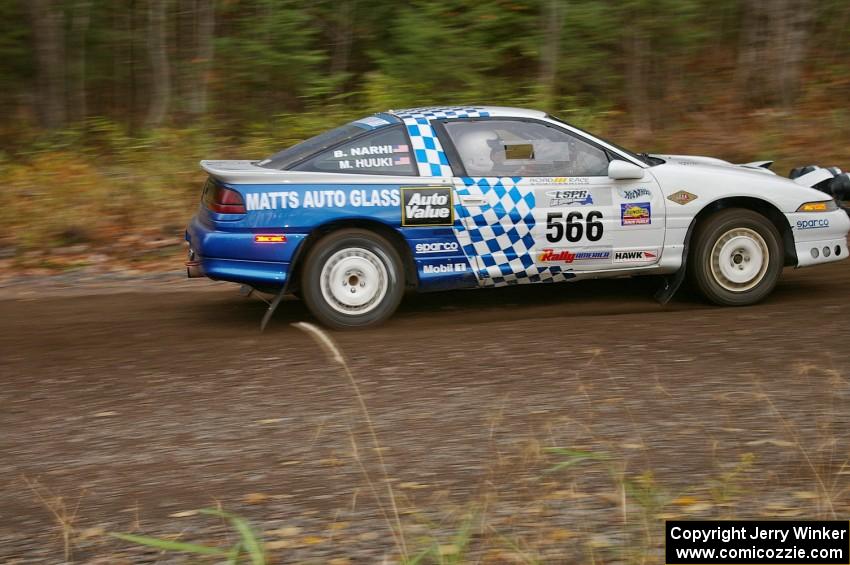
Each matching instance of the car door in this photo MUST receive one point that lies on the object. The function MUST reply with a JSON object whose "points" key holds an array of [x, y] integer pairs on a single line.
{"points": [[535, 203]]}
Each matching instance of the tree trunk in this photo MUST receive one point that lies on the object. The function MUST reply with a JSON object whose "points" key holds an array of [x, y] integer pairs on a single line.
{"points": [[773, 46], [132, 82], [48, 25], [204, 15], [553, 18], [636, 82], [79, 30], [790, 43], [752, 34], [344, 37], [160, 76]]}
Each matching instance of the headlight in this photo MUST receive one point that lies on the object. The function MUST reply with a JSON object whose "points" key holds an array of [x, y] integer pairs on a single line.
{"points": [[820, 206]]}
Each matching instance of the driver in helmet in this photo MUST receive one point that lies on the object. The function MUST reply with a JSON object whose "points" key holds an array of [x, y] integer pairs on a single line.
{"points": [[477, 148]]}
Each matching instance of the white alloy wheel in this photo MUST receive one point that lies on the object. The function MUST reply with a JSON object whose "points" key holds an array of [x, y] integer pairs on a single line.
{"points": [[354, 281], [739, 259]]}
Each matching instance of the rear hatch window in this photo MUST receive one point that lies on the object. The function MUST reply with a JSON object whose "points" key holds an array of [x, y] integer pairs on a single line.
{"points": [[301, 151]]}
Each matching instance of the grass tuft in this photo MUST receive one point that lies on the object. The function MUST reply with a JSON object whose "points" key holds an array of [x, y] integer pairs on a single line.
{"points": [[249, 542]]}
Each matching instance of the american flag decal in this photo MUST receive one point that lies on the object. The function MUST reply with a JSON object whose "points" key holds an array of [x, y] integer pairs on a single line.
{"points": [[401, 161], [400, 149]]}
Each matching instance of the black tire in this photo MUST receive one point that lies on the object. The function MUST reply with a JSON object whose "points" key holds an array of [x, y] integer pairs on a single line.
{"points": [[367, 265], [739, 256]]}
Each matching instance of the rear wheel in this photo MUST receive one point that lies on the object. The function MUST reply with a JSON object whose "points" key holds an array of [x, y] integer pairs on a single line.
{"points": [[737, 257], [352, 278]]}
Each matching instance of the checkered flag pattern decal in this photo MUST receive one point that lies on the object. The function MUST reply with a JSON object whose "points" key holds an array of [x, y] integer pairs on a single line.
{"points": [[500, 234], [442, 112], [429, 153]]}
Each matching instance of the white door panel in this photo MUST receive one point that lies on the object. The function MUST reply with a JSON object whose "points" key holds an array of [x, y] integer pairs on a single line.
{"points": [[519, 225], [537, 229]]}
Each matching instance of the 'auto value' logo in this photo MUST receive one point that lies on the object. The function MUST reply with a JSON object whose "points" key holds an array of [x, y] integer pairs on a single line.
{"points": [[426, 206]]}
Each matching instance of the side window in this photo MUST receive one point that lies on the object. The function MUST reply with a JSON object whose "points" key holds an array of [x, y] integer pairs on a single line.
{"points": [[384, 152], [493, 148]]}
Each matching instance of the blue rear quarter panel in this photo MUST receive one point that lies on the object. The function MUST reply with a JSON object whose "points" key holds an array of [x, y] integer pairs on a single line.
{"points": [[225, 246]]}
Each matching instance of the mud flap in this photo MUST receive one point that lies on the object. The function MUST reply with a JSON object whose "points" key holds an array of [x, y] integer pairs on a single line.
{"points": [[247, 291], [271, 309], [672, 283]]}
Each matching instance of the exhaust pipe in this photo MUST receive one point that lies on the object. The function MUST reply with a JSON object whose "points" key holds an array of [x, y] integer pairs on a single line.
{"points": [[193, 269], [193, 266]]}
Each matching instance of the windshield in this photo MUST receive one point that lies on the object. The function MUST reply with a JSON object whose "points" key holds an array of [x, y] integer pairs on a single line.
{"points": [[642, 157], [300, 151]]}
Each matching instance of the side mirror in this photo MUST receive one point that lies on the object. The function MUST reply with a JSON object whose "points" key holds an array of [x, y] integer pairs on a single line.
{"points": [[621, 170]]}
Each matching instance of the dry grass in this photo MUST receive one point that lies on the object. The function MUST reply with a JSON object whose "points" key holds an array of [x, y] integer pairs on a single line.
{"points": [[576, 495], [105, 190], [335, 354], [64, 515]]}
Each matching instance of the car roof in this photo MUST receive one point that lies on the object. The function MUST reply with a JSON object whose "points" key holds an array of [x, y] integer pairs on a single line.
{"points": [[465, 112]]}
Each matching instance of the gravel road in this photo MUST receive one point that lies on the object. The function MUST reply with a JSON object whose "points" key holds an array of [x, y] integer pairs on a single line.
{"points": [[127, 406]]}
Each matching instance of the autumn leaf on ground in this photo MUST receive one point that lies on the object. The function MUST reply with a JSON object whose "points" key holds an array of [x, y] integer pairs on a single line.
{"points": [[286, 531], [685, 501], [255, 498]]}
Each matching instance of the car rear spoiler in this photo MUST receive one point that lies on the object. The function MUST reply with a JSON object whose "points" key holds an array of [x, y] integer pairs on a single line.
{"points": [[239, 171], [248, 172]]}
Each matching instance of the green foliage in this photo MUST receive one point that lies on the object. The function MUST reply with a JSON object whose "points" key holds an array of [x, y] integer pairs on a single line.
{"points": [[17, 58], [268, 58], [249, 543], [571, 457], [274, 57], [451, 552], [460, 52]]}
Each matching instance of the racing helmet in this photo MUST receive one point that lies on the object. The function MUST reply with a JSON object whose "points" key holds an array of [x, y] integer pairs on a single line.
{"points": [[476, 150]]}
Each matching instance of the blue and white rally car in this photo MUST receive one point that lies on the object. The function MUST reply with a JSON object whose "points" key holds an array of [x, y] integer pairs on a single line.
{"points": [[466, 197]]}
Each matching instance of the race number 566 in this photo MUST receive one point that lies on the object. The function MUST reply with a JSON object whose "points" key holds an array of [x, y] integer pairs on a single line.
{"points": [[574, 226]]}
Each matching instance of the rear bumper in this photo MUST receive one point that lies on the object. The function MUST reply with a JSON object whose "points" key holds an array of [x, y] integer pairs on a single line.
{"points": [[235, 257], [253, 273]]}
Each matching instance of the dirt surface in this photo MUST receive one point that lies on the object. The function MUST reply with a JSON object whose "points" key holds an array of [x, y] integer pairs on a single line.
{"points": [[133, 402]]}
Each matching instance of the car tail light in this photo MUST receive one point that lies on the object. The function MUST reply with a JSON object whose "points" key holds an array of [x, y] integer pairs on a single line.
{"points": [[270, 238], [223, 200]]}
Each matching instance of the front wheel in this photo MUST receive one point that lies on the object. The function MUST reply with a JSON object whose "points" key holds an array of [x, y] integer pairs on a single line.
{"points": [[737, 257], [352, 278]]}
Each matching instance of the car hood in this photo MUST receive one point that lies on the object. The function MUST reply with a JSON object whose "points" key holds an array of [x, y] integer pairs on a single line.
{"points": [[712, 178], [699, 160]]}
